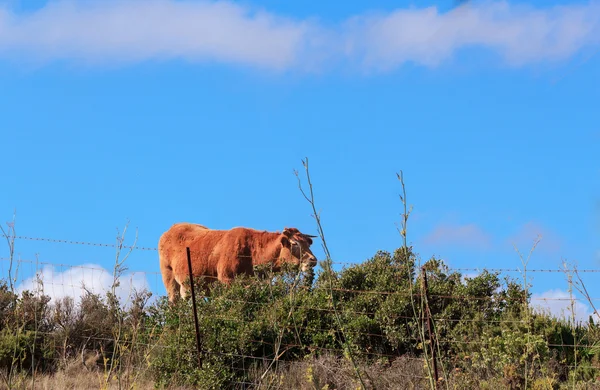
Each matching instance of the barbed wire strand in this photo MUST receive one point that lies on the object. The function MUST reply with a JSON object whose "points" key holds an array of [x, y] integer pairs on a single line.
{"points": [[142, 248]]}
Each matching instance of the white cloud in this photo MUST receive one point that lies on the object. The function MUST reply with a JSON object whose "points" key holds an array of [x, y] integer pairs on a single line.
{"points": [[524, 238], [520, 34], [121, 31], [132, 31], [57, 283], [558, 303], [467, 236]]}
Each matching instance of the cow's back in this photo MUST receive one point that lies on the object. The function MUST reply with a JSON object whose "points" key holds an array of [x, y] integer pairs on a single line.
{"points": [[180, 234], [201, 240]]}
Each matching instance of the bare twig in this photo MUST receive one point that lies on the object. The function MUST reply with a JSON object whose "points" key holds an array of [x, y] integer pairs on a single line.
{"points": [[10, 235], [407, 253], [114, 304], [37, 298], [580, 286], [525, 263], [327, 263]]}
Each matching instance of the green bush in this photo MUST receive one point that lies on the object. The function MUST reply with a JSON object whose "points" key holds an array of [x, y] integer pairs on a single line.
{"points": [[266, 327]]}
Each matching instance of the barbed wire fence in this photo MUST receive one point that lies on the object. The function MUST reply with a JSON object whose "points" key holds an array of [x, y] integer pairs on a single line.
{"points": [[60, 280]]}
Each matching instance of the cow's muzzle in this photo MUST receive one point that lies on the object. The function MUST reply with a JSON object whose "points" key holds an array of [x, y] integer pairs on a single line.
{"points": [[309, 262]]}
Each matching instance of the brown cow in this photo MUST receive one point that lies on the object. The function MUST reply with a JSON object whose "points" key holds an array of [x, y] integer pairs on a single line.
{"points": [[222, 254]]}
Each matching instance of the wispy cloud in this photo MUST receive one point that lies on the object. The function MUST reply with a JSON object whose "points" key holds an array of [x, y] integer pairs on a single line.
{"points": [[526, 235], [124, 31], [518, 33], [58, 284], [133, 31], [558, 303], [465, 236]]}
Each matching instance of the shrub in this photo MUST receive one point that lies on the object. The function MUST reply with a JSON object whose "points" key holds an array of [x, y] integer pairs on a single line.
{"points": [[282, 330]]}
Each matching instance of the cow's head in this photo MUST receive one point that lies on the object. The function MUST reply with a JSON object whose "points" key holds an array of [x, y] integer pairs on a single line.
{"points": [[296, 248]]}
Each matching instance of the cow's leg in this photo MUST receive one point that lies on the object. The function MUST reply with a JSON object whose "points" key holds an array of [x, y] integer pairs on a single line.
{"points": [[170, 283], [183, 286], [183, 291], [225, 274], [226, 278]]}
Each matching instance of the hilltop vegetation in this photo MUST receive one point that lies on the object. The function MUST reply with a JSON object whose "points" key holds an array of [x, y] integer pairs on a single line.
{"points": [[366, 323]]}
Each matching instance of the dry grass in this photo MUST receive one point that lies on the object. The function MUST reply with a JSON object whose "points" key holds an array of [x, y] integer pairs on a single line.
{"points": [[330, 372], [76, 376], [322, 373]]}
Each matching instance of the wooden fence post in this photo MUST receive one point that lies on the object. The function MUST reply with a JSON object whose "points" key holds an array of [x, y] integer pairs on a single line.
{"points": [[198, 347]]}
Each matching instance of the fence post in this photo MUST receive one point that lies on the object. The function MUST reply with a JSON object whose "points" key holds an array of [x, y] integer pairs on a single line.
{"points": [[432, 339], [189, 259]]}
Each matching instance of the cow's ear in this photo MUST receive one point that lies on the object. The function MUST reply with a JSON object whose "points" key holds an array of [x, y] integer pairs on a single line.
{"points": [[285, 241]]}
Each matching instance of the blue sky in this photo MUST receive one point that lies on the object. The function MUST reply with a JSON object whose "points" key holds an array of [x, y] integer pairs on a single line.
{"points": [[164, 111]]}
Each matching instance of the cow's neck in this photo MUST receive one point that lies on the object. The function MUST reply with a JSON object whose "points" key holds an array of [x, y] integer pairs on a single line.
{"points": [[267, 249]]}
